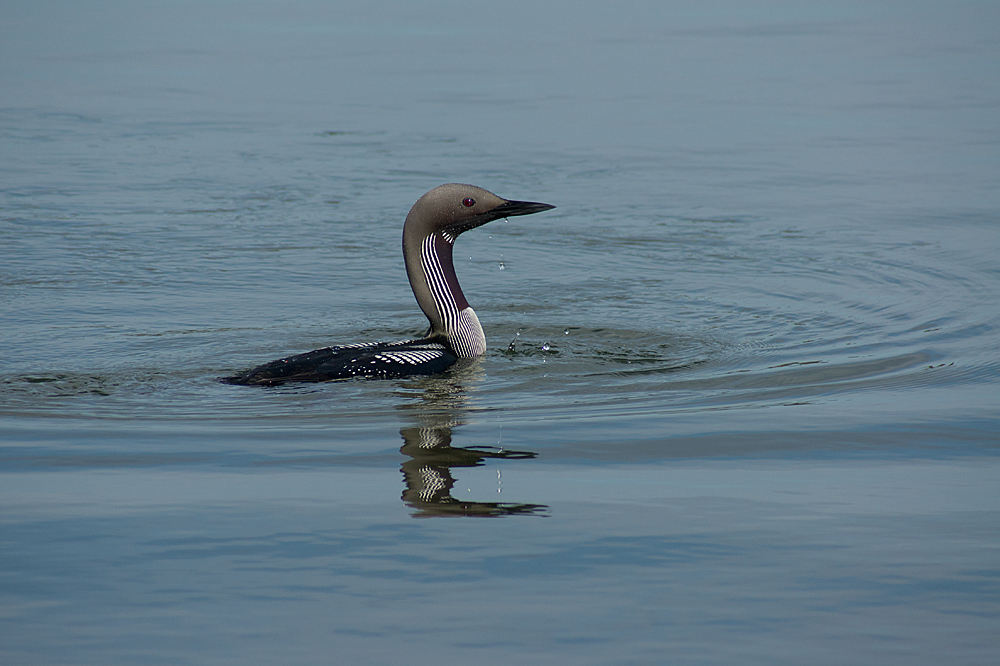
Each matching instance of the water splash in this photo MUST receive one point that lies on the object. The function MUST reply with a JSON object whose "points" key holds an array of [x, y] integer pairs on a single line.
{"points": [[511, 347]]}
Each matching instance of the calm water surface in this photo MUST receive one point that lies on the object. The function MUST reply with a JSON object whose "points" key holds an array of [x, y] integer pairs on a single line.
{"points": [[741, 398]]}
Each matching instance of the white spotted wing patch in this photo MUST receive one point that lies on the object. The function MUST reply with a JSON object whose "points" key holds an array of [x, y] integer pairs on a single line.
{"points": [[410, 356], [364, 345]]}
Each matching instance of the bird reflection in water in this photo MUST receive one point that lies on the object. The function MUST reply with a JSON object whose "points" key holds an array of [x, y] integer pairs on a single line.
{"points": [[427, 473]]}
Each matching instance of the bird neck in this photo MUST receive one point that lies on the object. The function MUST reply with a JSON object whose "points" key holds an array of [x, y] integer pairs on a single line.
{"points": [[431, 271]]}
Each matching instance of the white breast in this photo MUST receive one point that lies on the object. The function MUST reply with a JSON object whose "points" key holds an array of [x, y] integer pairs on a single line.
{"points": [[467, 337]]}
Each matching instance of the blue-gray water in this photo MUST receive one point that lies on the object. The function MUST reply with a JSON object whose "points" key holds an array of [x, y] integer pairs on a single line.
{"points": [[751, 411]]}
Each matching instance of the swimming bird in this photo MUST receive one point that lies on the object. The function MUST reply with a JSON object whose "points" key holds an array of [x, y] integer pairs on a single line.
{"points": [[429, 233]]}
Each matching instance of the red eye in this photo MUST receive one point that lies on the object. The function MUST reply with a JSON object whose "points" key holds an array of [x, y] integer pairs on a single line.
{"points": [[468, 202]]}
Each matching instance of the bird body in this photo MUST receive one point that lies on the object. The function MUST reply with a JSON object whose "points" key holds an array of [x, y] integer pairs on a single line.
{"points": [[429, 234]]}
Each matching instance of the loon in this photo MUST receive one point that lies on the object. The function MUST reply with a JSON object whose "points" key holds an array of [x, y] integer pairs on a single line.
{"points": [[429, 233]]}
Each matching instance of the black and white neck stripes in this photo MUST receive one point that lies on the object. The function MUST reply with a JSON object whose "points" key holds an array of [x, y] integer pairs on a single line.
{"points": [[459, 321]]}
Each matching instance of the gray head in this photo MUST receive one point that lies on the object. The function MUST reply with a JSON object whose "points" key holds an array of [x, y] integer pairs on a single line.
{"points": [[454, 208], [431, 228]]}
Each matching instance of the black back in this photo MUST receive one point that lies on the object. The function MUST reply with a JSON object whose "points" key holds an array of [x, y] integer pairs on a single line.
{"points": [[380, 360]]}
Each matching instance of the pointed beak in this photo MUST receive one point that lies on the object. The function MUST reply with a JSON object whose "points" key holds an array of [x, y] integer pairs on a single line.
{"points": [[512, 208], [506, 209]]}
